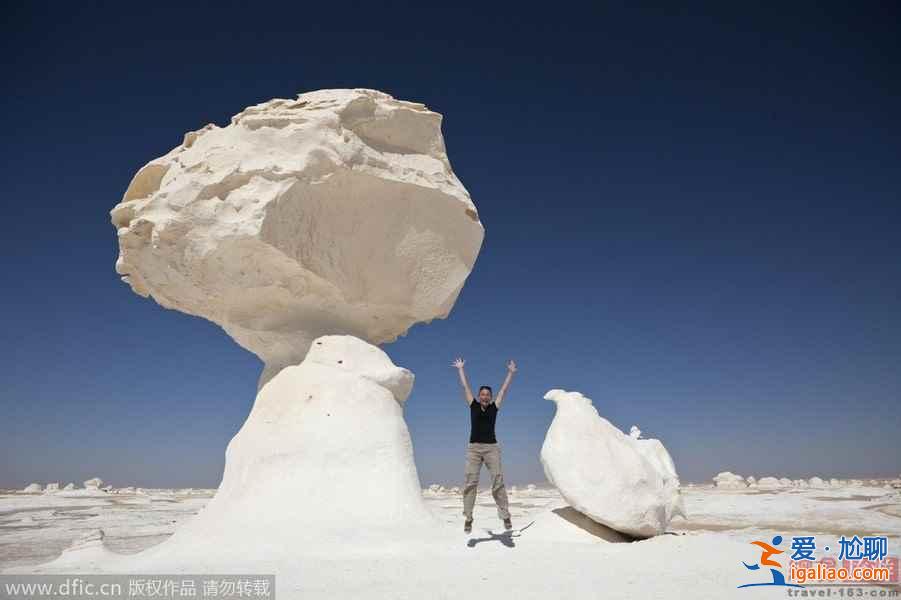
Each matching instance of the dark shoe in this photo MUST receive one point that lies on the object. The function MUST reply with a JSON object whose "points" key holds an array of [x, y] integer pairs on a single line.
{"points": [[508, 524], [467, 526]]}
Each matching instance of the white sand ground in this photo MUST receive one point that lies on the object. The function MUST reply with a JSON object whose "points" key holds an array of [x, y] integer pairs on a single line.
{"points": [[550, 554]]}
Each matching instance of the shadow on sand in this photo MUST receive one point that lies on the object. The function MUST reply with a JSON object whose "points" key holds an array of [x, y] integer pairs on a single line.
{"points": [[505, 538]]}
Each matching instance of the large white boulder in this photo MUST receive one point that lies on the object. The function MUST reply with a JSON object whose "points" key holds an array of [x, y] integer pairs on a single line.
{"points": [[618, 480], [333, 213]]}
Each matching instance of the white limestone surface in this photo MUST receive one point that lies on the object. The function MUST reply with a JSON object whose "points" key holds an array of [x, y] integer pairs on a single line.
{"points": [[336, 212]]}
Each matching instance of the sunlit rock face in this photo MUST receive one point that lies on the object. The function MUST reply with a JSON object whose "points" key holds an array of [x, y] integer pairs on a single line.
{"points": [[333, 213], [621, 481], [324, 457]]}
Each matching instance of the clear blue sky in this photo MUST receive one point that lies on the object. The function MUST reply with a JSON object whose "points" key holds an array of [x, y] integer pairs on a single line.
{"points": [[692, 216]]}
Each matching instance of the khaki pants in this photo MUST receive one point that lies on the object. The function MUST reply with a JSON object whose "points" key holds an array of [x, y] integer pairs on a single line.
{"points": [[490, 454]]}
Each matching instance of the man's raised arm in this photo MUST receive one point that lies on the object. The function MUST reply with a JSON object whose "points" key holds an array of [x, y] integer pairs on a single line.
{"points": [[467, 393], [511, 369]]}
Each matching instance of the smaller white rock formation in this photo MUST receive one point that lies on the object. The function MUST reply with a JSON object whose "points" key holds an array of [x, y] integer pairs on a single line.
{"points": [[32, 488], [87, 553], [768, 483], [69, 487], [51, 488], [751, 481], [730, 481], [785, 482], [434, 490], [816, 482], [621, 481], [93, 484]]}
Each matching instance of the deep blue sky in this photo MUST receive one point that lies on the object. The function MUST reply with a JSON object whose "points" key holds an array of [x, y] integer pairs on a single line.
{"points": [[692, 216]]}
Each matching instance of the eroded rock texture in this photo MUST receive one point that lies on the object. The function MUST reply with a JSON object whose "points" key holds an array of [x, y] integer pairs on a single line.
{"points": [[333, 213]]}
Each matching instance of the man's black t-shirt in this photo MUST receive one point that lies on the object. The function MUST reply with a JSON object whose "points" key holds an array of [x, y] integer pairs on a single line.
{"points": [[482, 422]]}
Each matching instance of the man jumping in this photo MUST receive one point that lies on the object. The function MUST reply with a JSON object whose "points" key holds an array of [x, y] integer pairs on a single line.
{"points": [[483, 446]]}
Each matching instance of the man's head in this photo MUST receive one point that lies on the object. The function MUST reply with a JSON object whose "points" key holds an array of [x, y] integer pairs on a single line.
{"points": [[485, 395]]}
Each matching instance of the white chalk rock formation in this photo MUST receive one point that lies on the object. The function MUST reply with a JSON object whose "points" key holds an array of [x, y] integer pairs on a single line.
{"points": [[32, 488], [768, 483], [93, 484], [324, 459], [816, 482], [333, 213], [69, 487], [730, 481], [434, 490], [657, 455], [51, 488], [620, 481], [88, 552]]}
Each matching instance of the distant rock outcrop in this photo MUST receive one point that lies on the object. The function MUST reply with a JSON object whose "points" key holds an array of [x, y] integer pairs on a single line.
{"points": [[729, 480]]}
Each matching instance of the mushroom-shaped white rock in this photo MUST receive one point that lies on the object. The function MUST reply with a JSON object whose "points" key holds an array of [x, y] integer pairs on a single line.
{"points": [[333, 213], [620, 481]]}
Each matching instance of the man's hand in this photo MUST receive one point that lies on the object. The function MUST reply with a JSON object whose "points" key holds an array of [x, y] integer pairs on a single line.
{"points": [[467, 393], [511, 369]]}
